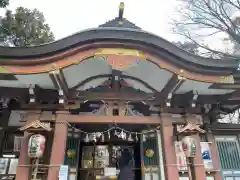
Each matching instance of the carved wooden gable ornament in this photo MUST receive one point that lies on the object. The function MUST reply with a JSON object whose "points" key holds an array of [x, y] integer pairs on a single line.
{"points": [[191, 128], [36, 126]]}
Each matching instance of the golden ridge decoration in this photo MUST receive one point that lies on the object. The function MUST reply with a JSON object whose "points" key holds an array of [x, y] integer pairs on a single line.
{"points": [[227, 79], [120, 51], [120, 58], [36, 125]]}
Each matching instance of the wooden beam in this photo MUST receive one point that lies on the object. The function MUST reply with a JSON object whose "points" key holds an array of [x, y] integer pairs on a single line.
{"points": [[90, 79], [177, 110], [140, 81], [62, 82], [171, 87], [54, 81], [115, 80], [183, 99], [8, 77], [109, 119], [225, 86], [11, 92], [61, 74], [49, 95], [58, 81], [39, 106], [121, 96], [108, 76]]}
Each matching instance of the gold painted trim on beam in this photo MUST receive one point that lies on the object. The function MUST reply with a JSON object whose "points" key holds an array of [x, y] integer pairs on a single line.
{"points": [[4, 70], [120, 51], [78, 57]]}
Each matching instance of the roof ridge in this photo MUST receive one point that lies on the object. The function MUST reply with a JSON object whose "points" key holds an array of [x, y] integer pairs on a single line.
{"points": [[117, 22]]}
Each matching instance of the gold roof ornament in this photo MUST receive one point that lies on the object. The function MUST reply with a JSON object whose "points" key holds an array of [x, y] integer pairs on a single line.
{"points": [[191, 128], [121, 11], [36, 126]]}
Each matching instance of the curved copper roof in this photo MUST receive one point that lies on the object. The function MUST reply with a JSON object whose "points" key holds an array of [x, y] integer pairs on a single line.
{"points": [[133, 39], [120, 33]]}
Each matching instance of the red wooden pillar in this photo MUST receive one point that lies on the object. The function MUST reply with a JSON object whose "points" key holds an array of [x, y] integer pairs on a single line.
{"points": [[59, 145], [23, 170], [215, 157], [171, 169], [200, 172]]}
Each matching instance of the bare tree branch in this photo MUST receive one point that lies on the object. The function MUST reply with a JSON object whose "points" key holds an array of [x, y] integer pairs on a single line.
{"points": [[205, 18]]}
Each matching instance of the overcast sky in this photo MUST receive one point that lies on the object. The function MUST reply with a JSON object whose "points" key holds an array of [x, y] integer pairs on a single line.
{"points": [[66, 17]]}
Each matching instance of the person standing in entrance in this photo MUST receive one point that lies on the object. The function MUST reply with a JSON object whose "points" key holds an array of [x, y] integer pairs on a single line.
{"points": [[126, 165]]}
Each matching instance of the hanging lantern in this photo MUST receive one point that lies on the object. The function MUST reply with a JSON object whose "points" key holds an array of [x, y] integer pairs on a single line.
{"points": [[36, 145], [189, 146]]}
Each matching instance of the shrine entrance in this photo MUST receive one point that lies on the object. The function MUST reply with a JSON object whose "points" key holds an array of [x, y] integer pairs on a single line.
{"points": [[121, 157], [114, 153]]}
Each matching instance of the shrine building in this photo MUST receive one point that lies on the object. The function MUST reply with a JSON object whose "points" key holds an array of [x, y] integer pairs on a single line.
{"points": [[117, 102]]}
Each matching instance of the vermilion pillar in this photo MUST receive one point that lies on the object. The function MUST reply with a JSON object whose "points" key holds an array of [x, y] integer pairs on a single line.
{"points": [[23, 170], [169, 149], [200, 173], [215, 157], [59, 145]]}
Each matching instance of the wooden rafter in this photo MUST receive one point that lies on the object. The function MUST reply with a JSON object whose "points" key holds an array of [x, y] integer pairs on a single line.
{"points": [[171, 87], [59, 81]]}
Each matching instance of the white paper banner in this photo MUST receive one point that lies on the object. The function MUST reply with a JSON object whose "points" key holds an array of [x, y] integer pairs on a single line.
{"points": [[181, 159], [63, 172], [206, 155]]}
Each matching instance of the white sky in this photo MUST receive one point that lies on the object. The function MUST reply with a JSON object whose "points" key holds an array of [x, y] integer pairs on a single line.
{"points": [[66, 17]]}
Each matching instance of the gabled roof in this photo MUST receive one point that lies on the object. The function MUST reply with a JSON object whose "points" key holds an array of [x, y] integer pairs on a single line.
{"points": [[116, 22], [119, 21], [119, 33]]}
